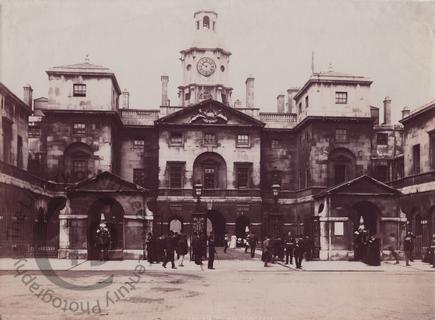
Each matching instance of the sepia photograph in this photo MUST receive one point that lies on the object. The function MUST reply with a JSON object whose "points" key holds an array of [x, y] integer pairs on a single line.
{"points": [[217, 160]]}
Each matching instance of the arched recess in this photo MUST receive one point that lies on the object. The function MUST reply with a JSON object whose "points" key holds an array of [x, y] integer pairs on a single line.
{"points": [[341, 166], [206, 22], [78, 161], [210, 169], [114, 216]]}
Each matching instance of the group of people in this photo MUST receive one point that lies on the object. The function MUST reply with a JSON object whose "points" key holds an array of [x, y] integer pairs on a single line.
{"points": [[287, 247], [164, 249]]}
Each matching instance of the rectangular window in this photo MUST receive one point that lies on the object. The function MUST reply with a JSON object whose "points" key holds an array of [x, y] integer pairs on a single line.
{"points": [[382, 138], [7, 140], [340, 135], [79, 128], [176, 138], [138, 143], [175, 176], [80, 168], [243, 174], [139, 177], [20, 152], [209, 177], [79, 90], [340, 97], [300, 107], [209, 139], [416, 158], [243, 140], [276, 144], [306, 102]]}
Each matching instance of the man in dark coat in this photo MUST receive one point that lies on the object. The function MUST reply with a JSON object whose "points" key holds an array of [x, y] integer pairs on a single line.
{"points": [[267, 248], [252, 244], [211, 252], [170, 250], [289, 248], [299, 252], [407, 247]]}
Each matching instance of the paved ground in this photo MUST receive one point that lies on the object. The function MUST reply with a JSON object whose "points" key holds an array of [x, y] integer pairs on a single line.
{"points": [[240, 288]]}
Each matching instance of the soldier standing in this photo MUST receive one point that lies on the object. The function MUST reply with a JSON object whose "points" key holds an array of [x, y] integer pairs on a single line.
{"points": [[252, 244], [407, 247], [299, 252], [170, 250], [289, 248], [211, 252]]}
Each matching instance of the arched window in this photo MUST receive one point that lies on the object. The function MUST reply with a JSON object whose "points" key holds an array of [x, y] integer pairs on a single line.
{"points": [[206, 22]]}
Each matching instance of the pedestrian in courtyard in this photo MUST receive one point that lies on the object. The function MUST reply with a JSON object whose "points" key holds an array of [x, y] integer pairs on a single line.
{"points": [[252, 244], [197, 250], [411, 253], [246, 241], [407, 247], [160, 248], [299, 252], [392, 246], [150, 244], [226, 240], [266, 251], [182, 249], [170, 251], [211, 252], [289, 248]]}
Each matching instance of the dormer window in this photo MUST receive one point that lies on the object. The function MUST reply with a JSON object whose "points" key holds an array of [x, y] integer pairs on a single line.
{"points": [[79, 90], [206, 22]]}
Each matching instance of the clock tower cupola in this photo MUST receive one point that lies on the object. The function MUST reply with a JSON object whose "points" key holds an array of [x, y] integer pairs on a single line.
{"points": [[205, 64]]}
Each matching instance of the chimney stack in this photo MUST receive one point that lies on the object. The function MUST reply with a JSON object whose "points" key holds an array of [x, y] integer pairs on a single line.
{"points": [[291, 92], [250, 92], [237, 104], [165, 100], [27, 96], [280, 102], [125, 101], [405, 112], [387, 110]]}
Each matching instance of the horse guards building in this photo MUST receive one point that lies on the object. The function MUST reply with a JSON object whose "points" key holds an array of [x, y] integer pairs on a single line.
{"points": [[321, 165]]}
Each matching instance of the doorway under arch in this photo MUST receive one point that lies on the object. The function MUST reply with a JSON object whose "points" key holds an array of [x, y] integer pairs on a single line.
{"points": [[114, 217], [241, 223], [216, 222]]}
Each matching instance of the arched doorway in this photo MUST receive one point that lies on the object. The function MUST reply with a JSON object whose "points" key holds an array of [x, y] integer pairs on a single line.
{"points": [[241, 223], [367, 214], [176, 225], [114, 216], [216, 222]]}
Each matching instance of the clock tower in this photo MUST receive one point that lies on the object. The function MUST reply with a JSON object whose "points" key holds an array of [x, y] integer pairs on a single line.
{"points": [[205, 64]]}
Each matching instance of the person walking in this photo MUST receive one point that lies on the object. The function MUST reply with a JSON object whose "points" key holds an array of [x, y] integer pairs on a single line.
{"points": [[299, 252], [393, 247], [407, 247], [211, 252], [246, 241], [226, 240], [266, 250], [170, 251], [289, 248], [253, 244], [182, 249]]}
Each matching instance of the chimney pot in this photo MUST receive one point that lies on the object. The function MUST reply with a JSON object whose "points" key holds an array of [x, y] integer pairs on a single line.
{"points": [[280, 101], [165, 79], [291, 92], [250, 92], [27, 96], [387, 110], [405, 112], [125, 103]]}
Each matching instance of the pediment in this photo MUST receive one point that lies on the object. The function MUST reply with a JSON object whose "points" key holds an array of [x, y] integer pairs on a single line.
{"points": [[106, 182], [363, 185], [210, 112]]}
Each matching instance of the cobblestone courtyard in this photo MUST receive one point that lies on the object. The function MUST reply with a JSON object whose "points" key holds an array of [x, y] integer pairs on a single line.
{"points": [[239, 288]]}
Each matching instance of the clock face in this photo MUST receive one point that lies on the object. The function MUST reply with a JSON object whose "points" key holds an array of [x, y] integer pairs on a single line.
{"points": [[206, 66]]}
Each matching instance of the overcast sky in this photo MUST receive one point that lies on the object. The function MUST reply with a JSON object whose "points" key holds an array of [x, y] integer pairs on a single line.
{"points": [[390, 42]]}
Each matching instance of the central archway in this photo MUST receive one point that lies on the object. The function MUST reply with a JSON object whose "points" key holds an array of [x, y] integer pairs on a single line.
{"points": [[216, 222], [241, 223], [210, 169], [114, 216]]}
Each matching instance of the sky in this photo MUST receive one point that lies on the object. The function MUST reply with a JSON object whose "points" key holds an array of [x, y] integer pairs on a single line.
{"points": [[391, 42]]}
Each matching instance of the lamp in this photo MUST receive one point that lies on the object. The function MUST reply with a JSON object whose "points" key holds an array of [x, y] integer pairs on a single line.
{"points": [[275, 192]]}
